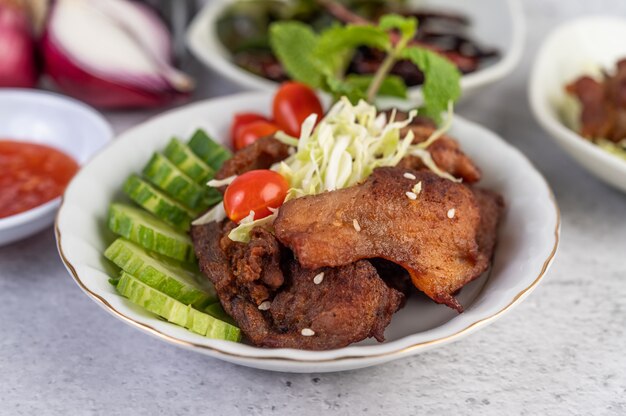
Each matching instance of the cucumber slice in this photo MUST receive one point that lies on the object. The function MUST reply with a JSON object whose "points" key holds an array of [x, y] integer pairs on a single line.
{"points": [[149, 232], [174, 311], [208, 150], [186, 160], [160, 273], [216, 311], [166, 176], [156, 202], [213, 196]]}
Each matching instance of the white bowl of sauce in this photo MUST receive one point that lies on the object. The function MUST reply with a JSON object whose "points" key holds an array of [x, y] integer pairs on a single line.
{"points": [[44, 139]]}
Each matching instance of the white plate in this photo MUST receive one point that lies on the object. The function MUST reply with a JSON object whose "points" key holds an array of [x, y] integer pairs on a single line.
{"points": [[528, 238], [572, 50], [497, 23], [52, 120]]}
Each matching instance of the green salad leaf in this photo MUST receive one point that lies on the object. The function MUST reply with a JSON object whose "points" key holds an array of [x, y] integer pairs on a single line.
{"points": [[292, 43], [442, 80], [391, 86], [320, 60]]}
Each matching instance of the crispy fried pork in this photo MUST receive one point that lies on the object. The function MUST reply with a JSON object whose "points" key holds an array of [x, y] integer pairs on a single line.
{"points": [[261, 154], [445, 151], [603, 104], [433, 233], [277, 303]]}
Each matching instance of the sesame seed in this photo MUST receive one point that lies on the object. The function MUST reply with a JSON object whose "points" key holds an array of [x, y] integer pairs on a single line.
{"points": [[356, 224], [265, 305], [411, 195], [318, 278], [409, 175], [451, 213], [417, 188], [307, 332]]}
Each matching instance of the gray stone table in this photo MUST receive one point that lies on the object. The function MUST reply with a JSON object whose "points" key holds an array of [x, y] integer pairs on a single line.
{"points": [[563, 351]]}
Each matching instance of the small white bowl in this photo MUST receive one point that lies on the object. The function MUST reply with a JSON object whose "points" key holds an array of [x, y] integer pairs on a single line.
{"points": [[527, 242], [577, 48], [52, 120], [497, 23]]}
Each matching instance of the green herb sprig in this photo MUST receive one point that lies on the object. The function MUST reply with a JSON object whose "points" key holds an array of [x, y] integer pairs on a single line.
{"points": [[320, 61]]}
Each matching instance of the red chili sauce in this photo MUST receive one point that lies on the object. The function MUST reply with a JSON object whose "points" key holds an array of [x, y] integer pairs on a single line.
{"points": [[31, 175]]}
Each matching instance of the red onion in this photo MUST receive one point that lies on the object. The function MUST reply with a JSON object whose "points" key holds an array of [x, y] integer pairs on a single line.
{"points": [[17, 47], [111, 53]]}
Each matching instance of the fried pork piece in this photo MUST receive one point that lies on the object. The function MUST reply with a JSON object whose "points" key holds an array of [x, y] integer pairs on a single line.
{"points": [[349, 304], [261, 154], [597, 114], [445, 151], [435, 236], [603, 104]]}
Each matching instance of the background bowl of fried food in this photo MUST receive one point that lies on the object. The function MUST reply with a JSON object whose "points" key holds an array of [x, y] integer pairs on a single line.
{"points": [[527, 242], [494, 23], [580, 47]]}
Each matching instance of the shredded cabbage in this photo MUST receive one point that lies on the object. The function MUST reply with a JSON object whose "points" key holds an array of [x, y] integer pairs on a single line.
{"points": [[347, 145], [343, 150], [242, 232]]}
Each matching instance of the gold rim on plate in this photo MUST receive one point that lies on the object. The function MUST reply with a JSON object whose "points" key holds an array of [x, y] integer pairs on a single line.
{"points": [[169, 338]]}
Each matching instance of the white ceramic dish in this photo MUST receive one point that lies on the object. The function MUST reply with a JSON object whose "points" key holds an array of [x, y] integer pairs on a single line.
{"points": [[497, 23], [572, 50], [52, 120], [528, 239]]}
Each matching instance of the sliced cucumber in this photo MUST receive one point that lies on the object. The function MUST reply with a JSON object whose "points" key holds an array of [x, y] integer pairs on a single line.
{"points": [[213, 196], [174, 311], [156, 202], [216, 311], [171, 180], [165, 275], [208, 150], [186, 160], [149, 232]]}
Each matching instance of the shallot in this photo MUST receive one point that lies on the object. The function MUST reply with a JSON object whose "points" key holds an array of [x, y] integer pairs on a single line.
{"points": [[111, 54]]}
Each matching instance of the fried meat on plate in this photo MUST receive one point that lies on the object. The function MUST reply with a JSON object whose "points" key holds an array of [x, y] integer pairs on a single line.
{"points": [[434, 230], [445, 151], [277, 303], [261, 154]]}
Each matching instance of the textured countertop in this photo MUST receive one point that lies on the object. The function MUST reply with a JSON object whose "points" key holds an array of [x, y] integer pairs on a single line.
{"points": [[563, 351]]}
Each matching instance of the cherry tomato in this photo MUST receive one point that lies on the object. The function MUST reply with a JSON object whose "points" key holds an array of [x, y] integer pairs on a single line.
{"points": [[293, 103], [258, 191], [252, 132], [243, 119]]}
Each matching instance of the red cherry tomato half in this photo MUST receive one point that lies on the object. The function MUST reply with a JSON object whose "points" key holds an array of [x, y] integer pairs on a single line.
{"points": [[293, 103], [243, 119], [258, 191], [252, 132]]}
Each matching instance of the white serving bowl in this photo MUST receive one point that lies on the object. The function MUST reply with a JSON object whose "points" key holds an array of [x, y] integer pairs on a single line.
{"points": [[52, 120], [573, 49], [497, 23], [527, 242]]}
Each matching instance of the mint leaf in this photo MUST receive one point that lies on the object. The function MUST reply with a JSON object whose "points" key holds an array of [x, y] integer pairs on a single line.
{"points": [[292, 42], [343, 88], [340, 39], [442, 80], [406, 25], [392, 85]]}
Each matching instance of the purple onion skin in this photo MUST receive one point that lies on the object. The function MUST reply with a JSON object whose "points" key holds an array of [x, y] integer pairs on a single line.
{"points": [[75, 81], [18, 66], [112, 91]]}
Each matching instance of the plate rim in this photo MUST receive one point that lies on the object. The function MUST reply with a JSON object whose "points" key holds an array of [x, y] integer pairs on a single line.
{"points": [[385, 355]]}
